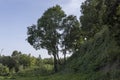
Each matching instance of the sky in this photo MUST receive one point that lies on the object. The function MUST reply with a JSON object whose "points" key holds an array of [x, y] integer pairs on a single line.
{"points": [[17, 15]]}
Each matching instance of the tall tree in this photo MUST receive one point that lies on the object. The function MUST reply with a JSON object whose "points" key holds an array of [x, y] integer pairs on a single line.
{"points": [[46, 34]]}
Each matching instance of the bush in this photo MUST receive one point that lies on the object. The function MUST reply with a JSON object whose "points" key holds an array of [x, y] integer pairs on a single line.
{"points": [[4, 71]]}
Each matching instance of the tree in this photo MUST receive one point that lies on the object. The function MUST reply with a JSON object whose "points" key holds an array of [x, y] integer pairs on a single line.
{"points": [[46, 33], [92, 11], [8, 61], [112, 18], [16, 57], [70, 35], [16, 53]]}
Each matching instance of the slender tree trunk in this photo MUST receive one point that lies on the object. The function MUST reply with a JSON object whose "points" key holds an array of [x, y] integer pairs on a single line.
{"points": [[55, 63], [64, 53]]}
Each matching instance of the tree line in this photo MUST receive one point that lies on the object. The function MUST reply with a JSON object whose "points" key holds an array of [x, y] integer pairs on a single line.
{"points": [[19, 61]]}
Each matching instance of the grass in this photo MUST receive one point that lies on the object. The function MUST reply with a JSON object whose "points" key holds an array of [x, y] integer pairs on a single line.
{"points": [[50, 77], [28, 75]]}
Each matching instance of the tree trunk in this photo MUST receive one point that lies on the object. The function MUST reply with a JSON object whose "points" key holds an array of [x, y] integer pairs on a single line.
{"points": [[58, 59], [55, 63], [64, 53]]}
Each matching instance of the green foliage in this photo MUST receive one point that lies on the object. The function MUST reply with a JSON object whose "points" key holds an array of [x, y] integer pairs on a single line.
{"points": [[71, 34], [111, 17], [46, 33], [96, 59], [55, 32], [91, 17], [8, 61], [24, 60], [16, 53], [4, 71], [99, 58], [19, 61], [49, 61], [42, 70]]}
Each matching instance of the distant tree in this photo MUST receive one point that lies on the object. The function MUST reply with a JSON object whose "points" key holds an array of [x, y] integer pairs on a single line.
{"points": [[45, 34], [25, 60], [15, 53], [16, 57], [8, 61]]}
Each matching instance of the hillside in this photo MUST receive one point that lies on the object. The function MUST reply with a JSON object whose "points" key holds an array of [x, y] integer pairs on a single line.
{"points": [[97, 59]]}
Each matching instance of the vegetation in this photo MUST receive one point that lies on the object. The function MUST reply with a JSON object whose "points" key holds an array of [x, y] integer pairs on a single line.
{"points": [[45, 34], [3, 70], [53, 30], [95, 45]]}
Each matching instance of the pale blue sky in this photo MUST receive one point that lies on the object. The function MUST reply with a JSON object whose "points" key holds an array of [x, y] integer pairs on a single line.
{"points": [[17, 15]]}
